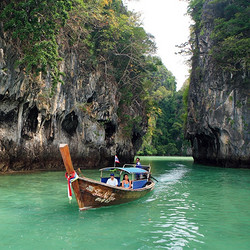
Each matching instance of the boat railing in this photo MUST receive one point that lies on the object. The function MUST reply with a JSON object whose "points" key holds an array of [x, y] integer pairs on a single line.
{"points": [[146, 167], [129, 165]]}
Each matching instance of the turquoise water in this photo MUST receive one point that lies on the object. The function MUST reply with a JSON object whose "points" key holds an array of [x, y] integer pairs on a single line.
{"points": [[192, 206]]}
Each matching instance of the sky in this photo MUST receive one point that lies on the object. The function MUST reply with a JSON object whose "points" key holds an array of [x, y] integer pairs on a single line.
{"points": [[167, 21]]}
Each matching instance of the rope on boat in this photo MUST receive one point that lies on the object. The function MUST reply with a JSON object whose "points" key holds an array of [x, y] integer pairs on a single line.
{"points": [[71, 178]]}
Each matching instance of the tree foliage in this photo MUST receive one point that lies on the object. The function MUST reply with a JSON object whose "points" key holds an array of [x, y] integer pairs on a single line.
{"points": [[110, 31], [165, 134], [230, 34], [35, 25]]}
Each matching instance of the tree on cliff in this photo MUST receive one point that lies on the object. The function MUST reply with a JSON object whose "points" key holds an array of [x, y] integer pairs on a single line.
{"points": [[108, 30], [230, 35], [35, 26]]}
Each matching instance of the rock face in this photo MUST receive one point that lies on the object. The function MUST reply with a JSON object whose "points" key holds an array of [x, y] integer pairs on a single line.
{"points": [[82, 113], [219, 107]]}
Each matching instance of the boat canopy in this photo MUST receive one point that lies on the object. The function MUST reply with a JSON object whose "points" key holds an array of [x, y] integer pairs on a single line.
{"points": [[128, 170]]}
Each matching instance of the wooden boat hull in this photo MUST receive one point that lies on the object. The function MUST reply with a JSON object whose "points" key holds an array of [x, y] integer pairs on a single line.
{"points": [[93, 194], [96, 194]]}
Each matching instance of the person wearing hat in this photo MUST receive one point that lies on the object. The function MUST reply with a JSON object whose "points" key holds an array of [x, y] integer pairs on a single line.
{"points": [[112, 181]]}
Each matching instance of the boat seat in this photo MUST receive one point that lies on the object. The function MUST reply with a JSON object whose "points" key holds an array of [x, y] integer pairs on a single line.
{"points": [[104, 180], [139, 184]]}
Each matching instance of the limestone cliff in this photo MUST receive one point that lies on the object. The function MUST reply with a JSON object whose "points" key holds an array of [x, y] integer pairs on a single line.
{"points": [[219, 108], [82, 112]]}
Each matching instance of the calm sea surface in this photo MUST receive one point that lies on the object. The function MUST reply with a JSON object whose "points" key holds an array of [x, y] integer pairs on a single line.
{"points": [[192, 206]]}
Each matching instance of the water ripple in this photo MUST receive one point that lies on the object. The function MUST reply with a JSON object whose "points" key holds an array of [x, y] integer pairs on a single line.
{"points": [[175, 227]]}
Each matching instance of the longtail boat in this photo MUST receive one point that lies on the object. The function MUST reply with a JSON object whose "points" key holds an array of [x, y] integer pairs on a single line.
{"points": [[90, 193]]}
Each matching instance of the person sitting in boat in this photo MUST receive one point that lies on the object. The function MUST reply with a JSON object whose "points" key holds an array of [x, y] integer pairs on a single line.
{"points": [[112, 181], [126, 183], [138, 164]]}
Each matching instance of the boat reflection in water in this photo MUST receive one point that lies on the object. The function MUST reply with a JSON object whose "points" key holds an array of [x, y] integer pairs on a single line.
{"points": [[93, 194]]}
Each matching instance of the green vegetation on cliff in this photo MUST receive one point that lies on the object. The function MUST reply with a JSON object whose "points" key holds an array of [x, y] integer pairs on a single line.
{"points": [[35, 26], [107, 29], [230, 35]]}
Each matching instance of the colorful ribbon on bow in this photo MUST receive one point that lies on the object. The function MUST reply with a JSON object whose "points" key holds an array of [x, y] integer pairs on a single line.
{"points": [[71, 178]]}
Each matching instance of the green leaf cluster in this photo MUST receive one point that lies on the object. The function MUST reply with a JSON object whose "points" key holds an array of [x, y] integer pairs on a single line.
{"points": [[230, 34], [195, 11], [35, 24], [117, 35]]}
